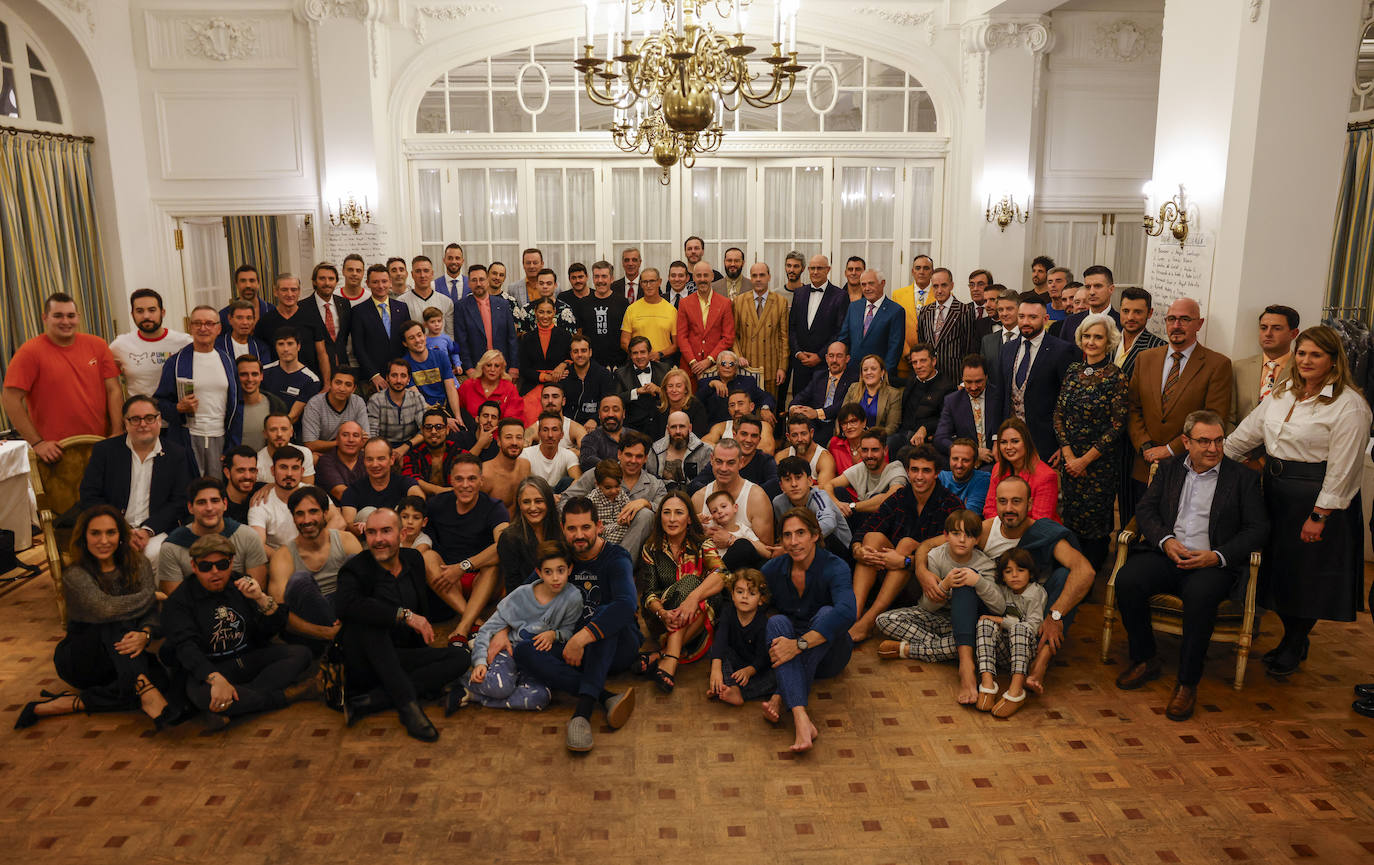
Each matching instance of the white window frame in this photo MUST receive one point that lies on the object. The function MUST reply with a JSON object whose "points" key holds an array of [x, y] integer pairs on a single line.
{"points": [[21, 38]]}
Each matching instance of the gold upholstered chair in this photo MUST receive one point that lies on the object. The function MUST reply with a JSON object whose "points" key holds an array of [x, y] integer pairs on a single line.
{"points": [[57, 488]]}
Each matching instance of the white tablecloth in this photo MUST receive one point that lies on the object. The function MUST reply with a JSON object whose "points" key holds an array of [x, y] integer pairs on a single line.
{"points": [[18, 510]]}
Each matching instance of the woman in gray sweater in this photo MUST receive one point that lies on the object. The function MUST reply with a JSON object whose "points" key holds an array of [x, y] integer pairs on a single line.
{"points": [[112, 617]]}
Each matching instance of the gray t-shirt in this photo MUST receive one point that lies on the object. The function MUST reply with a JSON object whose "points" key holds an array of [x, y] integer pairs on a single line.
{"points": [[941, 563], [866, 484], [174, 559], [254, 416]]}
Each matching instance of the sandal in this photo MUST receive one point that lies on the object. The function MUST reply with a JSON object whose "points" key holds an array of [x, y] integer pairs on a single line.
{"points": [[986, 698], [663, 679], [646, 663], [894, 649], [1009, 705]]}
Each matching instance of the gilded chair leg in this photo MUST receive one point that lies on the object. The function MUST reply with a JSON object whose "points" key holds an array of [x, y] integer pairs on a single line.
{"points": [[1242, 657]]}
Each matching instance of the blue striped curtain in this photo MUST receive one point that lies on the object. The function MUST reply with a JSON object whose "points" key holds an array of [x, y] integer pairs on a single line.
{"points": [[253, 240], [1351, 282], [49, 238]]}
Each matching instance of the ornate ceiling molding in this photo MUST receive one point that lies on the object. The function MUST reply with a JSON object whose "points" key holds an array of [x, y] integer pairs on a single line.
{"points": [[982, 36], [83, 9], [424, 14], [1256, 7], [316, 11], [220, 39], [1127, 41], [533, 145], [924, 21]]}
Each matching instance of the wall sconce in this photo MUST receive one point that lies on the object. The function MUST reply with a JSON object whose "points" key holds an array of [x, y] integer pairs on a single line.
{"points": [[1007, 210], [351, 215], [1173, 213]]}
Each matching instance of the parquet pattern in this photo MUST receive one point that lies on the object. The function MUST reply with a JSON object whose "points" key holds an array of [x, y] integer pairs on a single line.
{"points": [[1279, 772]]}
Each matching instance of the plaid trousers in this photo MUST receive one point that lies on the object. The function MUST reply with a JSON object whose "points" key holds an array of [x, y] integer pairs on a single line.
{"points": [[929, 634], [997, 646]]}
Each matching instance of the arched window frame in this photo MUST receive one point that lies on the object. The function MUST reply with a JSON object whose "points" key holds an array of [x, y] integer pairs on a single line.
{"points": [[24, 61]]}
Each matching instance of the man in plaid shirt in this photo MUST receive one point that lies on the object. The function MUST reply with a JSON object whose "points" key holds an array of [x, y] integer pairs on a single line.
{"points": [[394, 412], [428, 461]]}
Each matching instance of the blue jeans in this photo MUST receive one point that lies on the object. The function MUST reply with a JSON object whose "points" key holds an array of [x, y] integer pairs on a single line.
{"points": [[818, 662], [304, 598], [615, 654]]}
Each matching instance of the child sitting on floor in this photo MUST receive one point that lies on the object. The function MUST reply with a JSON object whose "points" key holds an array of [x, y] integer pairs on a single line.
{"points": [[545, 612], [609, 498], [740, 667], [411, 510], [1009, 639]]}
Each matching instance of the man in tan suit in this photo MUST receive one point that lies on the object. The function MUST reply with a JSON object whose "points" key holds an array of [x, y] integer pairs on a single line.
{"points": [[1169, 382], [761, 329], [1256, 376]]}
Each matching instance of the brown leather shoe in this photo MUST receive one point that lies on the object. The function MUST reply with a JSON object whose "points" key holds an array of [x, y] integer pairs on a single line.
{"points": [[1181, 704], [1145, 671]]}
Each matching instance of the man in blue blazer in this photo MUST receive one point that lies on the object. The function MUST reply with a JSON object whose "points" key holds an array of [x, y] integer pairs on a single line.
{"points": [[470, 331], [817, 308], [377, 340], [821, 399], [1033, 366], [1099, 282], [960, 414], [109, 473], [874, 324], [451, 283]]}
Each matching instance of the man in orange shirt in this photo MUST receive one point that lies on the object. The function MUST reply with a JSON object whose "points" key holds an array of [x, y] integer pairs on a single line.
{"points": [[76, 375], [705, 324]]}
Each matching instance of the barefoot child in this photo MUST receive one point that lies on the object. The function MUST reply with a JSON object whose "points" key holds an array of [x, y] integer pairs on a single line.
{"points": [[1009, 638], [740, 668], [610, 499], [545, 612]]}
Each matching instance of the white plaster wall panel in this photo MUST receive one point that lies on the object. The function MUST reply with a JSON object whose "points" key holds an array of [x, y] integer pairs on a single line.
{"points": [[221, 39], [1091, 132], [226, 135]]}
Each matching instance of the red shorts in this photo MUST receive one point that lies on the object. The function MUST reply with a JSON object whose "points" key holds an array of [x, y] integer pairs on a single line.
{"points": [[466, 581]]}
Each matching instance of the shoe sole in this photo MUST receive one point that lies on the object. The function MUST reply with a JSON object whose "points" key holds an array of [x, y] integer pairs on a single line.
{"points": [[618, 716], [580, 748], [1179, 717]]}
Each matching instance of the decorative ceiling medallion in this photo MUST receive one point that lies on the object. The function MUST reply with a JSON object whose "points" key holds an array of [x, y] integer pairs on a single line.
{"points": [[1125, 41]]}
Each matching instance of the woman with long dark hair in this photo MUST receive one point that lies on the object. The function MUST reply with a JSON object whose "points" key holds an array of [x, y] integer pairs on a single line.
{"points": [[111, 618], [1016, 455], [679, 579], [535, 521]]}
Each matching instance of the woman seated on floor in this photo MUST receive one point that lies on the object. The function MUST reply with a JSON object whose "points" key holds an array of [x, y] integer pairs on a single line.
{"points": [[111, 619]]}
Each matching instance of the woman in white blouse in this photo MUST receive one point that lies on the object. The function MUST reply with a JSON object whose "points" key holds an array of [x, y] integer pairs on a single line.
{"points": [[1314, 429]]}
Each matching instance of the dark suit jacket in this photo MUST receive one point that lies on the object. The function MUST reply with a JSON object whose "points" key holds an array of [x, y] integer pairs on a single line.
{"points": [[1069, 326], [813, 395], [358, 604], [1204, 383], [372, 343], [472, 337], [956, 420], [107, 480], [922, 404], [642, 413], [886, 333], [1238, 524], [817, 336], [618, 287], [343, 320], [982, 327], [307, 322], [533, 358], [991, 347], [1042, 388]]}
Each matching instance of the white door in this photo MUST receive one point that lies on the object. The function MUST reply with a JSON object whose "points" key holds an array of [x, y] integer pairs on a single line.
{"points": [[206, 277], [1079, 240]]}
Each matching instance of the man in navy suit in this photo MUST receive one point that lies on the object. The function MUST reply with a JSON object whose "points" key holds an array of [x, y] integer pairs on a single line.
{"points": [[1098, 281], [821, 399], [471, 329], [816, 309], [156, 503], [1031, 371], [966, 412], [377, 328], [451, 283], [334, 312], [874, 324]]}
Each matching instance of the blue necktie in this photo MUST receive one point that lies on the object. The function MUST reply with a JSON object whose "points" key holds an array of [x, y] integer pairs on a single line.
{"points": [[384, 310], [1023, 369]]}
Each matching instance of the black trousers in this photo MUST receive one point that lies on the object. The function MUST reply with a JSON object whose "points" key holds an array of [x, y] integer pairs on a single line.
{"points": [[86, 659], [259, 676], [1150, 572], [375, 664]]}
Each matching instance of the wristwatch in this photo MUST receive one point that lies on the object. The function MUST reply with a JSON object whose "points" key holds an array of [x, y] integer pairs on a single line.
{"points": [[801, 644], [1056, 615], [906, 563], [1317, 518], [465, 564]]}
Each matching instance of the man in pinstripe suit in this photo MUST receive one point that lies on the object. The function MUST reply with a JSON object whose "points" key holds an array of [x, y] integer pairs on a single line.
{"points": [[761, 328], [1136, 308], [946, 325]]}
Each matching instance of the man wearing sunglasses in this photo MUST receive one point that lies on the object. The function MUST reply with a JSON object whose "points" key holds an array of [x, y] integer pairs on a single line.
{"points": [[206, 499], [219, 631], [139, 474]]}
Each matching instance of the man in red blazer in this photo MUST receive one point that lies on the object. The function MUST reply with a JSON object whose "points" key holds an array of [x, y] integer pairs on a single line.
{"points": [[705, 324]]}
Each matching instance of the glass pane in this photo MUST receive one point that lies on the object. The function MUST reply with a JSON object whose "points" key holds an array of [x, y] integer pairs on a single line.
{"points": [[848, 113], [882, 202], [773, 254], [504, 67], [734, 195], [920, 112], [505, 211], [581, 218], [880, 257], [429, 194], [882, 75], [922, 191], [431, 116], [797, 116], [853, 201], [557, 57], [777, 202], [9, 97], [810, 195], [657, 201], [594, 118], [470, 77], [624, 203], [705, 197], [555, 259], [885, 108], [473, 204], [508, 254], [583, 252], [467, 111], [4, 43], [549, 215], [849, 67], [918, 247], [558, 117], [35, 65], [658, 255], [507, 113], [753, 119], [434, 252]]}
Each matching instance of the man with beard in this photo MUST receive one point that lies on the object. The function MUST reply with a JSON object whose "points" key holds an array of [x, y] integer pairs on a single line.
{"points": [[465, 524], [802, 440], [739, 406], [240, 471], [854, 268], [552, 400], [1040, 269], [270, 517], [963, 478], [452, 284], [733, 284], [380, 487], [600, 315], [603, 442], [693, 248], [793, 266], [277, 433], [427, 461], [1030, 372], [577, 290], [386, 611], [863, 487], [646, 492], [141, 354], [820, 401], [586, 384], [679, 456], [607, 641], [335, 315], [247, 287], [503, 473], [481, 441], [496, 279], [964, 414], [303, 573], [1061, 569], [484, 321]]}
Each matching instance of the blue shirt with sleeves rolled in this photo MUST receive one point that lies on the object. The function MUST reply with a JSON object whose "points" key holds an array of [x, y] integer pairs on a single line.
{"points": [[828, 584]]}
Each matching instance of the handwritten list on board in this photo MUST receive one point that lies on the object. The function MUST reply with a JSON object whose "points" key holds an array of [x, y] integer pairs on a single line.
{"points": [[1172, 272], [370, 242]]}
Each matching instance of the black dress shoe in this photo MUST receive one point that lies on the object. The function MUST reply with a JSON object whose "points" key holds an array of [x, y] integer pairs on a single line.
{"points": [[359, 707], [1283, 647], [1364, 707], [417, 724], [1286, 663], [1139, 674], [1365, 691]]}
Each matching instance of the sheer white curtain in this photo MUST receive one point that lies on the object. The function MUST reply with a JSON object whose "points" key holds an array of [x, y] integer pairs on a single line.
{"points": [[720, 210], [922, 192], [429, 192], [794, 213]]}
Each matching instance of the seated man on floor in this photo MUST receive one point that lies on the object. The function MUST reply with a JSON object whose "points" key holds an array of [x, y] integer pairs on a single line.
{"points": [[741, 405], [427, 461], [141, 475], [465, 524], [963, 477], [754, 466], [269, 515], [381, 487], [552, 398], [603, 442], [922, 399], [548, 458], [801, 440], [755, 507], [219, 627], [327, 410], [798, 491], [820, 401], [1201, 516], [503, 473], [915, 510], [863, 487], [344, 464], [480, 438], [303, 572], [240, 474], [679, 457], [394, 411], [386, 608], [646, 492], [205, 499], [277, 432]]}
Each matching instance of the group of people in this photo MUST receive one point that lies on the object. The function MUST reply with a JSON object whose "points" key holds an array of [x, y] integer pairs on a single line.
{"points": [[622, 477]]}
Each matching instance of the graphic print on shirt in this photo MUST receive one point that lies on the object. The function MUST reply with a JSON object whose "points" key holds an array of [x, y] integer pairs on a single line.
{"points": [[603, 320], [228, 633], [588, 582]]}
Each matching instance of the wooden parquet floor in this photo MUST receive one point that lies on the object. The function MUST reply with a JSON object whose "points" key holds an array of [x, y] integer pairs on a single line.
{"points": [[1282, 771]]}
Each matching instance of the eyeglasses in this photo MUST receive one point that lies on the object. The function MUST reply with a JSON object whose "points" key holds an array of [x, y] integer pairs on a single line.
{"points": [[729, 363], [205, 566], [434, 427], [144, 419], [1179, 319], [204, 323], [1208, 443]]}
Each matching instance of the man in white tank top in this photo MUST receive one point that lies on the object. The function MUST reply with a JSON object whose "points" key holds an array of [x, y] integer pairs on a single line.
{"points": [[552, 398], [801, 437], [303, 573], [752, 500]]}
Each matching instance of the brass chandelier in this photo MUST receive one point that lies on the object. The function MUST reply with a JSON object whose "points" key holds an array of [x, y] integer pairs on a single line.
{"points": [[681, 78]]}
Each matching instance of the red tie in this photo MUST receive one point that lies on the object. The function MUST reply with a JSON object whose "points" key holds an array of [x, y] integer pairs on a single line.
{"points": [[329, 320], [629, 291]]}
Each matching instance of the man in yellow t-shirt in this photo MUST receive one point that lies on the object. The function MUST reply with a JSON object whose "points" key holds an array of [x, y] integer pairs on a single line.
{"points": [[651, 317]]}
